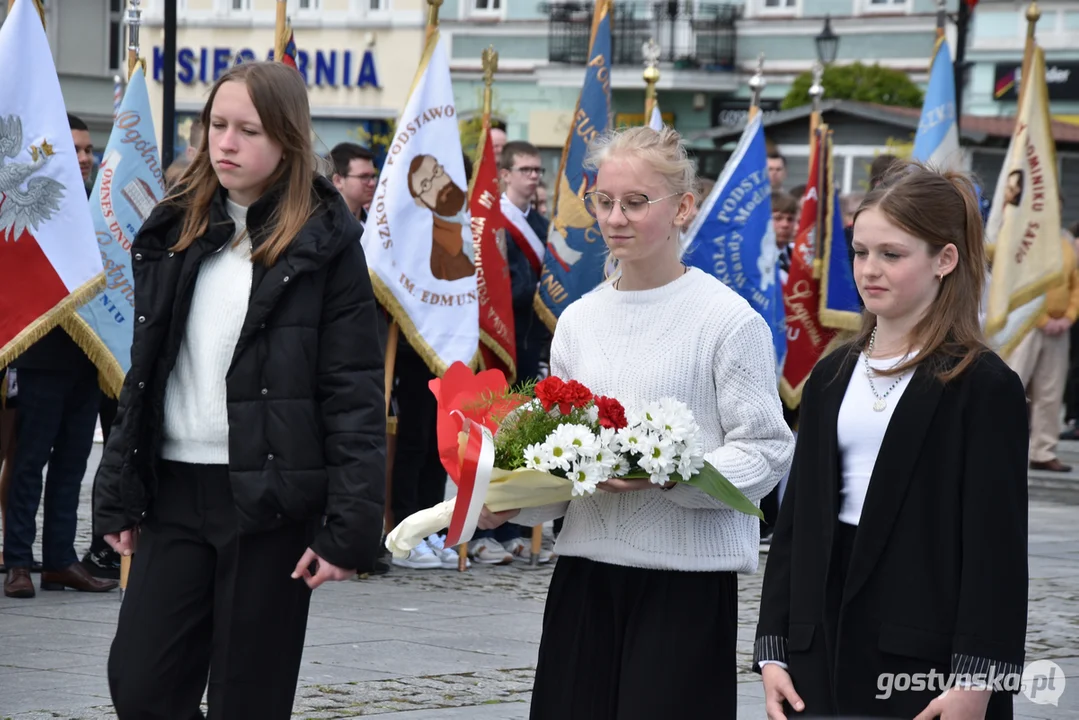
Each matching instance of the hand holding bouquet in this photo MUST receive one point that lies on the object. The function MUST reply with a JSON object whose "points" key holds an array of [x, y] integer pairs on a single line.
{"points": [[551, 442]]}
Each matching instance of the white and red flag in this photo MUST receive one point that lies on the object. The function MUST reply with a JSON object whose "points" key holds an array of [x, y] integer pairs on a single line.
{"points": [[49, 260]]}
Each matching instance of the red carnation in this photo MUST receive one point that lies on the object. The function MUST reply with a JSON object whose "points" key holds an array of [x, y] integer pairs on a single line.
{"points": [[574, 396], [611, 413], [549, 392]]}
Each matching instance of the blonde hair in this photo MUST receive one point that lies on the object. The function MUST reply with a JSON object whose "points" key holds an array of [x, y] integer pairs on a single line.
{"points": [[661, 150], [280, 97]]}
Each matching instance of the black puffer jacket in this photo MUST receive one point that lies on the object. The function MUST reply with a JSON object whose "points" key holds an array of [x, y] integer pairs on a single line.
{"points": [[306, 407]]}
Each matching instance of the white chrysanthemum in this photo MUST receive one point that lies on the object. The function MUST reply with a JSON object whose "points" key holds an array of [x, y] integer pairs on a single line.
{"points": [[630, 438], [559, 450], [607, 451], [592, 413], [620, 467], [659, 461], [537, 457], [584, 479], [690, 458], [675, 420], [580, 438]]}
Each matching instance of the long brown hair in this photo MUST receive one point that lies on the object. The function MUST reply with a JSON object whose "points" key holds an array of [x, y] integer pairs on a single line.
{"points": [[939, 208], [280, 98]]}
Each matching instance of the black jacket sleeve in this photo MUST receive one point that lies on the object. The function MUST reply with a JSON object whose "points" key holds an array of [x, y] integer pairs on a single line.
{"points": [[992, 613], [351, 395], [111, 515], [772, 625]]}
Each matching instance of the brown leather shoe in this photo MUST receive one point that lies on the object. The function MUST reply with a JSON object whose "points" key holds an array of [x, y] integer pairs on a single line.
{"points": [[74, 576], [1053, 465], [18, 584]]}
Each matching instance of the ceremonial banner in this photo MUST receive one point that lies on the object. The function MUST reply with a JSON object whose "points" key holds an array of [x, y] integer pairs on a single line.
{"points": [[806, 337], [49, 261], [576, 253], [732, 236], [129, 184], [418, 237], [498, 342], [840, 304], [1025, 221], [937, 141]]}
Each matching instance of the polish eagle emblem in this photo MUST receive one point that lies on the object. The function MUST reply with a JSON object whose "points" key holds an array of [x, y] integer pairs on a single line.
{"points": [[26, 199]]}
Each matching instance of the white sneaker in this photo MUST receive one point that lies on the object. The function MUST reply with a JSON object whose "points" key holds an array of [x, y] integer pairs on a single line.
{"points": [[522, 549], [420, 557], [488, 551], [447, 556]]}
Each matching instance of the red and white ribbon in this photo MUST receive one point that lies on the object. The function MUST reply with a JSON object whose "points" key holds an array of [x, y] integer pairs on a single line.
{"points": [[476, 467]]}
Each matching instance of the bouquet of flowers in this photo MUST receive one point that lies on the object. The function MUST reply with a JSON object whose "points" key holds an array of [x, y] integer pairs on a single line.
{"points": [[551, 442]]}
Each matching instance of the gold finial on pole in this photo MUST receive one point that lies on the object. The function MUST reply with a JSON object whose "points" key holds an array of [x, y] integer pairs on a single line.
{"points": [[756, 86], [490, 67], [1033, 15], [134, 22], [433, 6], [651, 52]]}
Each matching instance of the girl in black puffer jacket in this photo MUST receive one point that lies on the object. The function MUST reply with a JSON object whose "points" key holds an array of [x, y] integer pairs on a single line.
{"points": [[248, 454]]}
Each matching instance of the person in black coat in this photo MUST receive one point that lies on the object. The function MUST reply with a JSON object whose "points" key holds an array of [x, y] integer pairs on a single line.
{"points": [[898, 568], [248, 453]]}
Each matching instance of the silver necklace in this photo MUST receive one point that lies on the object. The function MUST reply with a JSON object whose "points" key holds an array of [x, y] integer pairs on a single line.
{"points": [[880, 404]]}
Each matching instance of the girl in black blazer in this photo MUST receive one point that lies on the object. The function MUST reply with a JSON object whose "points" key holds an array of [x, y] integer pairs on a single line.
{"points": [[898, 567]]}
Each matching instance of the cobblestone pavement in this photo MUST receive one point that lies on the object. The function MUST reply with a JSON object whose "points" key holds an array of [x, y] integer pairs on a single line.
{"points": [[441, 644]]}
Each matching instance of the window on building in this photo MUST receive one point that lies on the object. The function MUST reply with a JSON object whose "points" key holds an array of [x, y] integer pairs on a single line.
{"points": [[482, 6], [780, 4], [309, 4], [116, 34], [379, 4], [239, 4], [886, 3]]}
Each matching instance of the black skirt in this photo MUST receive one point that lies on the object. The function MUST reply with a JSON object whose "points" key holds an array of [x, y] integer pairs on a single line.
{"points": [[622, 643]]}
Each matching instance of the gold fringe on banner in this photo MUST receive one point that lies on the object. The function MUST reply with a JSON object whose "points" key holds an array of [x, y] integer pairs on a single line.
{"points": [[491, 344], [111, 377], [43, 325]]}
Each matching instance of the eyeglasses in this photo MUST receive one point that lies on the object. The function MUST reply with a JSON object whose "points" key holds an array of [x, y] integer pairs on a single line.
{"points": [[634, 206], [531, 170], [365, 178], [426, 183]]}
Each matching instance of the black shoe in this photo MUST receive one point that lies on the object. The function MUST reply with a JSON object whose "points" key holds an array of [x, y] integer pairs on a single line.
{"points": [[103, 564]]}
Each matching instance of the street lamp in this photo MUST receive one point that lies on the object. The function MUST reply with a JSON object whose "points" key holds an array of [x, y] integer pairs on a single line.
{"points": [[827, 43]]}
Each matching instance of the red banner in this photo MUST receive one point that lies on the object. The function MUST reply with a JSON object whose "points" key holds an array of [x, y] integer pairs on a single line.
{"points": [[806, 337], [498, 343]]}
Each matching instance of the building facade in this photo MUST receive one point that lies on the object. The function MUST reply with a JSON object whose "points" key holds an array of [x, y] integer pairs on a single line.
{"points": [[995, 52], [358, 58]]}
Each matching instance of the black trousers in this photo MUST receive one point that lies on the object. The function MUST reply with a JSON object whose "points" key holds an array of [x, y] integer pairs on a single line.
{"points": [[623, 643], [55, 427], [419, 479], [204, 601]]}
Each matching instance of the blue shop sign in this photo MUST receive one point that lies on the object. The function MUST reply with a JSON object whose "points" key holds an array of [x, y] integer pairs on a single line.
{"points": [[331, 68]]}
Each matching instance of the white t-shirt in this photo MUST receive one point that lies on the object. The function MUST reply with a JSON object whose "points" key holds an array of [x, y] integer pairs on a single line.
{"points": [[861, 429]]}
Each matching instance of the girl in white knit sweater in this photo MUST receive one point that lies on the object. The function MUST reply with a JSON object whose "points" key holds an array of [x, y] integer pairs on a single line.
{"points": [[641, 617]]}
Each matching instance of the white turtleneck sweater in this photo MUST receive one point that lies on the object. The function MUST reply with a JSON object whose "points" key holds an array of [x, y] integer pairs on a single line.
{"points": [[696, 340], [196, 416]]}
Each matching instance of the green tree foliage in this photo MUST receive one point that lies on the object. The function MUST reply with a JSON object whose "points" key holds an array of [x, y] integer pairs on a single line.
{"points": [[865, 83]]}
